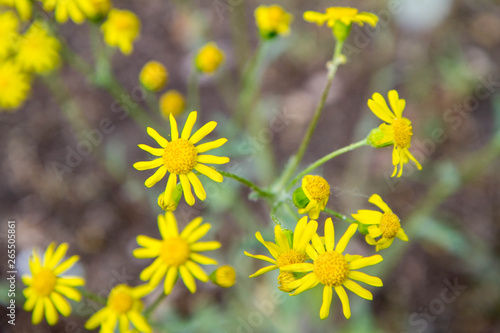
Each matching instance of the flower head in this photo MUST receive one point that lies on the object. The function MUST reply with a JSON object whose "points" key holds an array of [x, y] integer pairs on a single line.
{"points": [[385, 225], [9, 33], [46, 286], [153, 76], [317, 191], [64, 10], [176, 253], [398, 130], [345, 15], [121, 29], [24, 7], [180, 157], [284, 251], [334, 270], [172, 102], [224, 276], [38, 51], [209, 58], [14, 85], [95, 9], [272, 21], [124, 306]]}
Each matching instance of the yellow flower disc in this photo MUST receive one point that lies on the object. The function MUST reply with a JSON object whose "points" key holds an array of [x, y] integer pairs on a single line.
{"points": [[390, 225], [331, 268], [174, 251], [179, 156]]}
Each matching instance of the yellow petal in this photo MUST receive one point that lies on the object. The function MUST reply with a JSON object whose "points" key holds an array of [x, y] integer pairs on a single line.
{"points": [[70, 281], [69, 292], [311, 252], [358, 290], [171, 225], [148, 242], [59, 254], [327, 301], [65, 265], [305, 283], [186, 188], [402, 235], [299, 230], [170, 280], [173, 128], [188, 279], [149, 271], [205, 246], [209, 172], [210, 145], [50, 312], [156, 177], [192, 226], [144, 253], [146, 165], [368, 216], [271, 247], [329, 237], [211, 159], [197, 186], [342, 244], [196, 271], [366, 261], [317, 244], [380, 111], [61, 304], [37, 312], [365, 278], [201, 259], [188, 126], [158, 275], [377, 201], [30, 303], [281, 239], [139, 322], [160, 139], [344, 300], [308, 233], [198, 233], [151, 150], [261, 257], [202, 132], [303, 267], [264, 270]]}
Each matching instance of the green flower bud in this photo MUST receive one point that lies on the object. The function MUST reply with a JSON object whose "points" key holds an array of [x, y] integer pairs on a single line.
{"points": [[300, 199], [375, 136], [363, 228], [341, 31], [172, 205]]}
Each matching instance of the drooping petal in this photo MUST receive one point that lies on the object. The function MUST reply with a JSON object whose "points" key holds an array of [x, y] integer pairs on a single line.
{"points": [[271, 247], [342, 244], [384, 245], [344, 300], [169, 190], [61, 304], [170, 279], [260, 257], [188, 279], [139, 322], [196, 271], [377, 201], [327, 301], [50, 312], [402, 235], [302, 267], [37, 312], [264, 270], [366, 261]]}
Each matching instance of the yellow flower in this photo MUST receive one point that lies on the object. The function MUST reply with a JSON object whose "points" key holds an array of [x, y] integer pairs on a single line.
{"points": [[180, 157], [24, 7], [398, 131], [172, 102], [345, 15], [153, 76], [121, 29], [176, 253], [95, 9], [209, 58], [14, 86], [283, 251], [317, 190], [224, 276], [124, 307], [64, 9], [38, 51], [9, 27], [334, 270], [385, 225], [46, 285], [272, 21]]}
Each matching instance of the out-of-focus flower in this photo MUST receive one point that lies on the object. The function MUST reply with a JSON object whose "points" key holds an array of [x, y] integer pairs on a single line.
{"points": [[397, 131], [334, 270], [64, 10], [24, 7], [121, 29], [172, 102], [153, 76], [14, 85], [272, 21], [124, 308], [176, 253], [385, 225], [37, 50], [95, 9], [209, 58], [47, 285], [224, 276], [9, 33], [180, 157], [312, 196]]}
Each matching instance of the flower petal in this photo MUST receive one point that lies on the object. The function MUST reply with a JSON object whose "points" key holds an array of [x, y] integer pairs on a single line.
{"points": [[271, 247], [188, 126], [205, 246], [264, 270], [174, 131], [402, 235], [69, 292], [281, 239], [186, 188], [169, 190], [201, 259], [148, 242], [196, 271], [139, 322], [204, 147], [146, 165], [368, 279], [305, 283], [37, 312], [329, 237], [202, 132], [302, 267], [260, 257], [357, 289], [188, 279], [344, 300], [61, 304], [394, 102], [342, 244], [380, 111], [151, 150], [366, 216], [299, 230], [192, 226], [149, 271], [209, 172], [65, 265], [211, 159], [198, 233], [50, 312], [156, 177], [366, 261], [170, 279], [317, 244], [327, 301], [377, 201], [198, 187], [160, 139], [59, 254], [309, 232]]}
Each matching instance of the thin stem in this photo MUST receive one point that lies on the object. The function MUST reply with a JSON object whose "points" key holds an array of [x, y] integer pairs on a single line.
{"points": [[247, 183], [149, 310], [93, 297], [339, 216], [332, 66], [326, 158]]}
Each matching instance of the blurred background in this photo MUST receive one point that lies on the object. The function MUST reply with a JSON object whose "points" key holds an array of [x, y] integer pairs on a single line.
{"points": [[441, 55]]}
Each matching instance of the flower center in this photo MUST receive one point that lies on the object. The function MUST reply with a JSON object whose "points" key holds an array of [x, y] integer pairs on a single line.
{"points": [[390, 225], [44, 282], [331, 268], [179, 157], [121, 302], [339, 12], [284, 280], [275, 15], [123, 22], [402, 133], [290, 257], [174, 251], [317, 188]]}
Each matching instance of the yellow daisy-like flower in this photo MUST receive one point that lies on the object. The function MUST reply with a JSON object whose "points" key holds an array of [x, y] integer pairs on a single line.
{"points": [[180, 157], [38, 51], [334, 270], [95, 9], [14, 86], [176, 253], [317, 190], [172, 102], [385, 225], [345, 15], [397, 131], [209, 58], [153, 76], [9, 27], [124, 307], [64, 10], [121, 29], [282, 251], [224, 276], [47, 285], [272, 21], [24, 7]]}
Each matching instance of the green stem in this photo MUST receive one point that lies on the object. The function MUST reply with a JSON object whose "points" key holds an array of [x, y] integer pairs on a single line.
{"points": [[149, 310], [326, 158], [339, 216], [247, 183], [193, 91], [332, 66], [93, 297]]}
